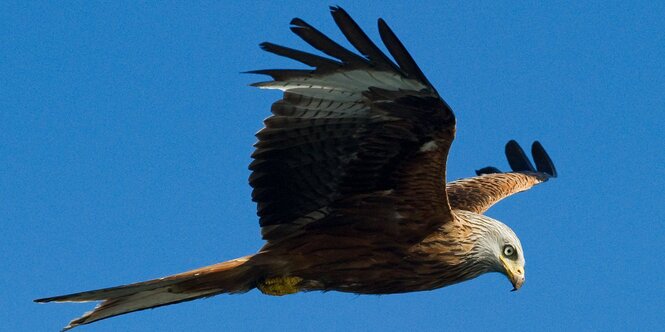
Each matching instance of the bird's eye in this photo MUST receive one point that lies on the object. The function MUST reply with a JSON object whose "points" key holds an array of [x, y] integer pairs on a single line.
{"points": [[509, 251]]}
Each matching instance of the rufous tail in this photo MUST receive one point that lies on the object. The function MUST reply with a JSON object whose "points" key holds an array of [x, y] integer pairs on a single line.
{"points": [[234, 276]]}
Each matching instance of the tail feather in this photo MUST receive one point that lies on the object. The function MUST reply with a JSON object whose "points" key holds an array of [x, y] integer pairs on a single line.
{"points": [[235, 276], [131, 303]]}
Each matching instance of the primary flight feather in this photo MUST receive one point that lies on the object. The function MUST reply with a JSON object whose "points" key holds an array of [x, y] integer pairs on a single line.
{"points": [[349, 180]]}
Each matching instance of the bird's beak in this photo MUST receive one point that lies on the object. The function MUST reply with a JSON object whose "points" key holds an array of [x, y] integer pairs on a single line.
{"points": [[514, 272]]}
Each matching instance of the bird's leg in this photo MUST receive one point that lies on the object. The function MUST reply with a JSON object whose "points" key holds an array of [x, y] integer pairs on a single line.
{"points": [[279, 286]]}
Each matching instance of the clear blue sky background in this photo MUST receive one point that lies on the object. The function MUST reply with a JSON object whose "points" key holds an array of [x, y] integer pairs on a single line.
{"points": [[126, 131]]}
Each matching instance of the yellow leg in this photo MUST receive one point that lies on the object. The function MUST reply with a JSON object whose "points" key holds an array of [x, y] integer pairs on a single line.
{"points": [[280, 286]]}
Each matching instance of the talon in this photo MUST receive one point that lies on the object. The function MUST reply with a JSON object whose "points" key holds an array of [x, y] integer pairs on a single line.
{"points": [[279, 286]]}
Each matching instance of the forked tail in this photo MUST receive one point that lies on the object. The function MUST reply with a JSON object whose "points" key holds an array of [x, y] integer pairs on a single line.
{"points": [[234, 276]]}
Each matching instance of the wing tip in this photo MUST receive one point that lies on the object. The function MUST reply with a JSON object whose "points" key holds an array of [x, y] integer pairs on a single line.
{"points": [[336, 8], [517, 158], [542, 159], [519, 162], [298, 22]]}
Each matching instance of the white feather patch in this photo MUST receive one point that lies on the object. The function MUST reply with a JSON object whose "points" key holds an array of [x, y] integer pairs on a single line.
{"points": [[350, 81], [429, 146]]}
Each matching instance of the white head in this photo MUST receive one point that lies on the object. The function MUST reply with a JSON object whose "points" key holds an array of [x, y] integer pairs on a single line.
{"points": [[496, 247]]}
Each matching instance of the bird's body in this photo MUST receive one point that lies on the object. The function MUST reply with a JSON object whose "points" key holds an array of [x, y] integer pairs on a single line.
{"points": [[349, 176], [365, 264], [370, 264]]}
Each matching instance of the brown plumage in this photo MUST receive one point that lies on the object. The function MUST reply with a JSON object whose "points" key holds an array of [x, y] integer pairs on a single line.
{"points": [[477, 194], [349, 180]]}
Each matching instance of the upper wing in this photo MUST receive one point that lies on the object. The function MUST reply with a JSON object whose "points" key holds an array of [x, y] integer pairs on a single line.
{"points": [[352, 126], [477, 194]]}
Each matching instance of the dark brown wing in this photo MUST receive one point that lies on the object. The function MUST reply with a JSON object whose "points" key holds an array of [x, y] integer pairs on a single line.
{"points": [[354, 127], [477, 194]]}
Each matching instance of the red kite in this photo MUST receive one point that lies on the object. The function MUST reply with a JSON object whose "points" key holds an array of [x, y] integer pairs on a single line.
{"points": [[349, 175]]}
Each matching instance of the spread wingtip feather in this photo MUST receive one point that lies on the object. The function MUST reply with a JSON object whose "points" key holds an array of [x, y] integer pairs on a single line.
{"points": [[519, 162], [543, 162]]}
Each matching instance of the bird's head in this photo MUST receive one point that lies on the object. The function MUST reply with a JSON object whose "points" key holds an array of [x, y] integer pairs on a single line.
{"points": [[497, 248], [512, 262]]}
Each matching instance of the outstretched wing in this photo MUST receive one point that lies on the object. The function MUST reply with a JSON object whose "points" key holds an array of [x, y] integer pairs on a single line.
{"points": [[477, 194], [355, 125]]}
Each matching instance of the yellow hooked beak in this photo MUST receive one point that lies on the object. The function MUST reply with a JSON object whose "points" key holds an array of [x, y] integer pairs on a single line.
{"points": [[514, 271]]}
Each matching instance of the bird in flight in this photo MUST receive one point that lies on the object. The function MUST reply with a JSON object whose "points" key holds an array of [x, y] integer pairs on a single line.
{"points": [[349, 177]]}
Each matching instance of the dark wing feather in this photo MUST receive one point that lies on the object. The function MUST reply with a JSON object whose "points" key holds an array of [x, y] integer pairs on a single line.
{"points": [[543, 162], [399, 52], [517, 159], [347, 133], [477, 194], [324, 44], [360, 41], [519, 162], [309, 59]]}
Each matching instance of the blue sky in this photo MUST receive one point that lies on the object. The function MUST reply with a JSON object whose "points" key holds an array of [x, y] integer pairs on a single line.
{"points": [[126, 131]]}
